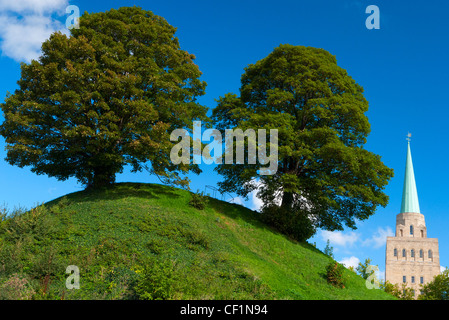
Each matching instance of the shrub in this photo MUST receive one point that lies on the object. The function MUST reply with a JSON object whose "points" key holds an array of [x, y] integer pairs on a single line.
{"points": [[120, 282], [16, 287], [334, 274], [437, 289], [292, 223], [197, 237], [35, 224], [156, 281], [198, 200], [401, 292]]}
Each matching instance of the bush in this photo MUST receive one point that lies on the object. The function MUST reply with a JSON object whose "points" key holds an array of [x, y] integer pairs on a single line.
{"points": [[16, 287], [437, 289], [198, 200], [156, 281], [292, 223], [33, 225], [401, 292], [334, 274]]}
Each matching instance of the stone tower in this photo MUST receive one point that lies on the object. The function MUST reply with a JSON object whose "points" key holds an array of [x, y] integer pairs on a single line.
{"points": [[411, 257]]}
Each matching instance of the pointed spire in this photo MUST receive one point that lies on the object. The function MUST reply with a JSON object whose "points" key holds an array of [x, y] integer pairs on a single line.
{"points": [[409, 194]]}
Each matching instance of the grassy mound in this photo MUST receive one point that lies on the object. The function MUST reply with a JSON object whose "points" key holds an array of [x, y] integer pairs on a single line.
{"points": [[144, 241]]}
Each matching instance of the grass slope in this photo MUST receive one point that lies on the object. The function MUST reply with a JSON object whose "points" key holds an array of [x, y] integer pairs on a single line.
{"points": [[145, 241]]}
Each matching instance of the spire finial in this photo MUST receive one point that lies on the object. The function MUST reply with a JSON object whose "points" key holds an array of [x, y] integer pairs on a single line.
{"points": [[409, 137]]}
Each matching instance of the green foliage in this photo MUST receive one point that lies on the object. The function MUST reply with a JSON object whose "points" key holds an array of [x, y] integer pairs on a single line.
{"points": [[362, 269], [401, 292], [335, 274], [324, 172], [107, 96], [198, 200], [34, 225], [126, 239], [329, 250], [156, 281], [295, 224], [437, 289], [16, 287]]}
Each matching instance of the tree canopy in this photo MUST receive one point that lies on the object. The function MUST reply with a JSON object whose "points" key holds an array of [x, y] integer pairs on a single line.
{"points": [[325, 177], [437, 289], [104, 97]]}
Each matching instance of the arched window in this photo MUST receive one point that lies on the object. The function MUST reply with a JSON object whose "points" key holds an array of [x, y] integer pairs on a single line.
{"points": [[400, 232], [395, 252], [412, 253], [411, 230], [421, 253], [429, 254], [404, 253]]}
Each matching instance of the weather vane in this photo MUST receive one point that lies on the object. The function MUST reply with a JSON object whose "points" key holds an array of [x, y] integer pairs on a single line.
{"points": [[409, 136]]}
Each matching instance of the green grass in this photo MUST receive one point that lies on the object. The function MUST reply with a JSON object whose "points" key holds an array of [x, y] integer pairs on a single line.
{"points": [[144, 241]]}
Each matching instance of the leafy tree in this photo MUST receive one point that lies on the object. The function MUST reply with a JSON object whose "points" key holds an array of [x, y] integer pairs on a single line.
{"points": [[325, 177], [329, 250], [107, 96], [362, 269], [401, 292], [437, 289]]}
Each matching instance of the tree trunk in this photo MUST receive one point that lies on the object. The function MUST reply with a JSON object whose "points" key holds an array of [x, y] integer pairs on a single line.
{"points": [[287, 200], [102, 177]]}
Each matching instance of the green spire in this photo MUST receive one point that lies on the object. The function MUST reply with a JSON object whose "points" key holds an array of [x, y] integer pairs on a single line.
{"points": [[409, 194]]}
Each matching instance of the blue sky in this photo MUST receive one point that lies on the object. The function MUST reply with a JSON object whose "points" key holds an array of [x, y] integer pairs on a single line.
{"points": [[402, 66]]}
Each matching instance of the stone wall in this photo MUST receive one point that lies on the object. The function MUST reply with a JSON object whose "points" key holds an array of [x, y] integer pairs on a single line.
{"points": [[412, 265]]}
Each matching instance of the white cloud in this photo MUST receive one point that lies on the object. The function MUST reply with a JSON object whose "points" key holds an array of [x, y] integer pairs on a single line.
{"points": [[25, 24], [257, 203], [339, 238], [236, 200], [350, 262], [348, 239], [379, 238], [33, 6]]}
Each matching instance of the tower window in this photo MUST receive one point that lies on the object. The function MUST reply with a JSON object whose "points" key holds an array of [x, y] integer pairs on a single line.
{"points": [[411, 230], [429, 254], [412, 253], [404, 253], [395, 252], [421, 253]]}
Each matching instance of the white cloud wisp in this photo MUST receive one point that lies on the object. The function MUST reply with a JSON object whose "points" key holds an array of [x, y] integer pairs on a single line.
{"points": [[25, 24]]}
